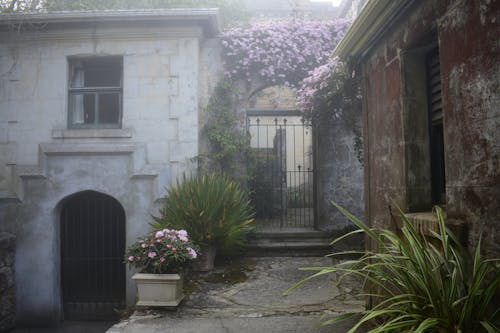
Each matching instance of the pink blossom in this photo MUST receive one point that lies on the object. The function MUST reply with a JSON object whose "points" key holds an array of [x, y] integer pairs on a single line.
{"points": [[144, 245], [182, 235], [192, 252], [280, 51], [152, 254], [162, 259], [131, 258], [159, 234]]}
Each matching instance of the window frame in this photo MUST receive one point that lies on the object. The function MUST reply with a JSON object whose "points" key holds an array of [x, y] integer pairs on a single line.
{"points": [[96, 91], [417, 128]]}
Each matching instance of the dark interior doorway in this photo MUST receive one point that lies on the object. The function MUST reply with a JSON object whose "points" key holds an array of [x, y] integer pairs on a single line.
{"points": [[92, 250]]}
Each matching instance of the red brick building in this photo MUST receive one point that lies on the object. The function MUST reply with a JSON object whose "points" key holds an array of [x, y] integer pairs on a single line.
{"points": [[430, 79]]}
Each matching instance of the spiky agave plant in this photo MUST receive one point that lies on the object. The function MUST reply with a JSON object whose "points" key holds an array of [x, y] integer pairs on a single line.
{"points": [[420, 285], [212, 208]]}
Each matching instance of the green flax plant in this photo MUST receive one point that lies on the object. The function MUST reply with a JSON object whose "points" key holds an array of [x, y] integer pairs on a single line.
{"points": [[213, 209], [419, 283]]}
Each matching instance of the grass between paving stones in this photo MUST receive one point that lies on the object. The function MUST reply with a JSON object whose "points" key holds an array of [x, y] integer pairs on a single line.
{"points": [[227, 271]]}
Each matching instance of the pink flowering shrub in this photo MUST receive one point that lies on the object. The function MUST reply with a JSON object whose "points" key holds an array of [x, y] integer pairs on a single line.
{"points": [[160, 252], [324, 89], [280, 52]]}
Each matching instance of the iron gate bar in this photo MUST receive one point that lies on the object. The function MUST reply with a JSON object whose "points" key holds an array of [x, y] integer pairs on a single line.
{"points": [[282, 183], [92, 249], [273, 113]]}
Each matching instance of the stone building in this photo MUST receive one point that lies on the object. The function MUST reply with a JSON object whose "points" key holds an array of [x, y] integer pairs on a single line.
{"points": [[430, 78], [99, 111]]}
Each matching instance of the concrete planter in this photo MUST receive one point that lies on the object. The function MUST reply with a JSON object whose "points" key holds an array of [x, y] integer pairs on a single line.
{"points": [[159, 289]]}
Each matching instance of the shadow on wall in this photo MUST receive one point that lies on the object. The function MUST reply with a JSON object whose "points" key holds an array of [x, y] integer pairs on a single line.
{"points": [[7, 284]]}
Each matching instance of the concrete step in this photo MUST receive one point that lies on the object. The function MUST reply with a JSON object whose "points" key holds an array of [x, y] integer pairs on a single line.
{"points": [[299, 243], [290, 243]]}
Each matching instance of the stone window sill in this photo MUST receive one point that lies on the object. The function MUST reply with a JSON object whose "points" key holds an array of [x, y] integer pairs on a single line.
{"points": [[91, 133], [427, 222]]}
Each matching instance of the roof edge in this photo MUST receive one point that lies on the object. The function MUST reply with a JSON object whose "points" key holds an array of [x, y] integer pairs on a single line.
{"points": [[375, 16], [210, 16]]}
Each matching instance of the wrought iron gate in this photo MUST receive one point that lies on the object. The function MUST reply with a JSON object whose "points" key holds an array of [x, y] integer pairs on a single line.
{"points": [[92, 250], [282, 173]]}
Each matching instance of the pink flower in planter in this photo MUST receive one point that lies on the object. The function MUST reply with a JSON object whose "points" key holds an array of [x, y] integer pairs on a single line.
{"points": [[192, 252], [183, 235], [161, 251]]}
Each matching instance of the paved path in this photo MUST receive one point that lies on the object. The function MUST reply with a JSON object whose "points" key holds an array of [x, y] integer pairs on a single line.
{"points": [[251, 300], [70, 327]]}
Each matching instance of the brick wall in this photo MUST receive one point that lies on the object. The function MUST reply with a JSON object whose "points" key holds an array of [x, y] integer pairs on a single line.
{"points": [[467, 34]]}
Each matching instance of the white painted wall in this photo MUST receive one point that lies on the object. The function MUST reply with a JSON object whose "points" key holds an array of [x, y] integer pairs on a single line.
{"points": [[42, 162]]}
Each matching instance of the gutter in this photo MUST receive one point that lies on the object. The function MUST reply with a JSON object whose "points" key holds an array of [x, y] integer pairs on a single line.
{"points": [[208, 16], [373, 21]]}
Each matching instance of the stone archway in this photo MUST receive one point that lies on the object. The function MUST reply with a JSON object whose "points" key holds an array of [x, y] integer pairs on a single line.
{"points": [[92, 232]]}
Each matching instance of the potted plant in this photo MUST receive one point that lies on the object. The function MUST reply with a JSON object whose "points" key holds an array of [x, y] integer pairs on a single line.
{"points": [[160, 258], [214, 210]]}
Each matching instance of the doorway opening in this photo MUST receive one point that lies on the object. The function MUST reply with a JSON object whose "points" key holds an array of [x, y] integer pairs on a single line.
{"points": [[92, 251]]}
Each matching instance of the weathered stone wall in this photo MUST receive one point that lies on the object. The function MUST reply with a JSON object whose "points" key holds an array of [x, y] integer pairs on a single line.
{"points": [[7, 288], [339, 176], [42, 161], [467, 32]]}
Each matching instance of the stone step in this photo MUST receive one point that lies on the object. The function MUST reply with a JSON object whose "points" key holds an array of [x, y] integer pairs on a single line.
{"points": [[297, 243], [291, 243]]}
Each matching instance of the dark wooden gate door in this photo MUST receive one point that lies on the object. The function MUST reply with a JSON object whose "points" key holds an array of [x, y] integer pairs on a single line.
{"points": [[92, 250]]}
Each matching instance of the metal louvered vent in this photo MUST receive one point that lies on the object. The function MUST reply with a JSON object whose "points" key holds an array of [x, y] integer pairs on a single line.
{"points": [[436, 127]]}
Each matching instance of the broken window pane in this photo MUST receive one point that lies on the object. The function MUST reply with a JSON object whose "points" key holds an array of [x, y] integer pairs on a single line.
{"points": [[109, 108], [95, 92]]}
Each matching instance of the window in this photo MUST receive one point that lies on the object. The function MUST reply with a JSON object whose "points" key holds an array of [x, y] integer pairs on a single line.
{"points": [[95, 92], [423, 126], [435, 118]]}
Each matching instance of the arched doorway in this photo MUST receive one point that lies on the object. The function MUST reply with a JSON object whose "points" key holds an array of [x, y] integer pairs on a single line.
{"points": [[92, 250]]}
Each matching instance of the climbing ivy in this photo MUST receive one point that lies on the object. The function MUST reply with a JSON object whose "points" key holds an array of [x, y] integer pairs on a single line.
{"points": [[228, 141], [332, 93]]}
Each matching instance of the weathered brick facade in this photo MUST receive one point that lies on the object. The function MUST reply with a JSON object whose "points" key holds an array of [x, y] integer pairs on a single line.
{"points": [[467, 34]]}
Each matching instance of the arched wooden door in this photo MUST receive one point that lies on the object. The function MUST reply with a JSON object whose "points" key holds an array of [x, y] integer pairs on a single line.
{"points": [[92, 250]]}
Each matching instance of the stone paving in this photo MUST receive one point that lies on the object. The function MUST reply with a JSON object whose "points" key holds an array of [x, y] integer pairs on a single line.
{"points": [[247, 296]]}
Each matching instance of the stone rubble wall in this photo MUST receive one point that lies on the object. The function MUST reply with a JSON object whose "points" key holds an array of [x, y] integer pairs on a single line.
{"points": [[7, 289]]}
